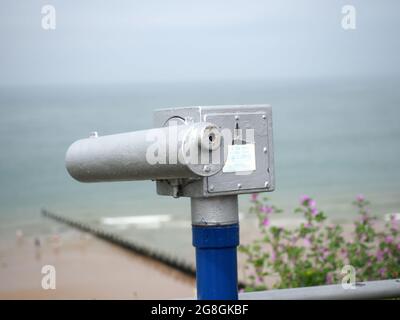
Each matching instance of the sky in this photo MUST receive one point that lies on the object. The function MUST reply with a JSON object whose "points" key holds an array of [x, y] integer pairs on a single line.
{"points": [[128, 41]]}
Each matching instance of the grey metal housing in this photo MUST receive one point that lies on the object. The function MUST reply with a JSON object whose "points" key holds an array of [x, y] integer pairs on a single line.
{"points": [[245, 117]]}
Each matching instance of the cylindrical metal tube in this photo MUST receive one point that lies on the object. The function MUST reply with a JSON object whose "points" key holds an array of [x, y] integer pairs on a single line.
{"points": [[220, 210], [153, 154]]}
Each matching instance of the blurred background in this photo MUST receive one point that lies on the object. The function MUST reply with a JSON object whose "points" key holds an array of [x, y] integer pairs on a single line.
{"points": [[107, 65]]}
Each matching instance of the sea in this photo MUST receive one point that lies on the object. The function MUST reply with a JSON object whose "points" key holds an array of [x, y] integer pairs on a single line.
{"points": [[334, 138]]}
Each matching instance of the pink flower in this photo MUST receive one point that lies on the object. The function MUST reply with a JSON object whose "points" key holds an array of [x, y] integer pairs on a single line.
{"points": [[312, 203], [386, 250], [389, 239], [382, 271], [273, 256], [304, 199], [266, 209], [379, 255], [254, 197], [241, 290], [314, 212], [398, 247], [266, 222], [360, 197], [307, 242], [325, 253]]}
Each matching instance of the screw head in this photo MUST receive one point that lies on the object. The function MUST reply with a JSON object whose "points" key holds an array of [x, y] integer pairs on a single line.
{"points": [[206, 168], [211, 187], [264, 116], [265, 149], [236, 117], [266, 184], [239, 186]]}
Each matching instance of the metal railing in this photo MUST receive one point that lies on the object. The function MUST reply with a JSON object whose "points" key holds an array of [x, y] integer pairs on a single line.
{"points": [[382, 289]]}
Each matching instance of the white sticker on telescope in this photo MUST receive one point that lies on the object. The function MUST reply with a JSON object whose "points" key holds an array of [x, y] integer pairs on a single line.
{"points": [[241, 157]]}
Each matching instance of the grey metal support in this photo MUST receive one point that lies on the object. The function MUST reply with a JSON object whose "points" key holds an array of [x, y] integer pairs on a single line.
{"points": [[220, 210], [382, 289]]}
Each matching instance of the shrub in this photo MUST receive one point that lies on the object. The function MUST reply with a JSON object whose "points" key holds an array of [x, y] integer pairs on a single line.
{"points": [[314, 252]]}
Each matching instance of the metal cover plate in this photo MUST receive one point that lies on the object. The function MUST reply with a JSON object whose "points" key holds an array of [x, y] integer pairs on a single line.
{"points": [[240, 180]]}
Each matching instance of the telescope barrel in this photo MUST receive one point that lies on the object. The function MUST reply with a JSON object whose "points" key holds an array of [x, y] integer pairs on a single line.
{"points": [[154, 154]]}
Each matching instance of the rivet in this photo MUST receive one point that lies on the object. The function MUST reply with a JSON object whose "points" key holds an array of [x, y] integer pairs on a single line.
{"points": [[211, 187], [239, 185], [264, 116], [266, 184], [236, 117], [265, 149], [206, 168]]}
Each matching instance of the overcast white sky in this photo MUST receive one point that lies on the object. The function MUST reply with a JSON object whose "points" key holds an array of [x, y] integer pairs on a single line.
{"points": [[125, 41]]}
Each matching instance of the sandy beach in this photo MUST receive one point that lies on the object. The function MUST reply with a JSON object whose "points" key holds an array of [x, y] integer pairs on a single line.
{"points": [[86, 268]]}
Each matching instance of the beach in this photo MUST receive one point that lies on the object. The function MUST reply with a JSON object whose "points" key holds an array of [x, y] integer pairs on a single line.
{"points": [[86, 268], [91, 268]]}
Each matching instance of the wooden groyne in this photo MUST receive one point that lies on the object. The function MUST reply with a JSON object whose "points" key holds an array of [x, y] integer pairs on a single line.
{"points": [[161, 257]]}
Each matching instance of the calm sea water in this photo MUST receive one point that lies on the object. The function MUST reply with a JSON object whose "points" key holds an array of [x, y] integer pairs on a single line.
{"points": [[333, 139]]}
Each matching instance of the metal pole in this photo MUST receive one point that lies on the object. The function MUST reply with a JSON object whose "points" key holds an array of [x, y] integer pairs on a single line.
{"points": [[381, 289], [215, 236]]}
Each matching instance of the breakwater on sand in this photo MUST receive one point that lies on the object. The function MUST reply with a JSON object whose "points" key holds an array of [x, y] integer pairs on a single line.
{"points": [[168, 260]]}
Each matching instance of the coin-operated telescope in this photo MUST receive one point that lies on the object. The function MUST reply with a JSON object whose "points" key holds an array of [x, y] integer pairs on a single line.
{"points": [[210, 154]]}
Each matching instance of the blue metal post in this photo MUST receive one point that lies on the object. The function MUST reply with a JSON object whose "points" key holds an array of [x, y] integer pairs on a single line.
{"points": [[216, 261]]}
